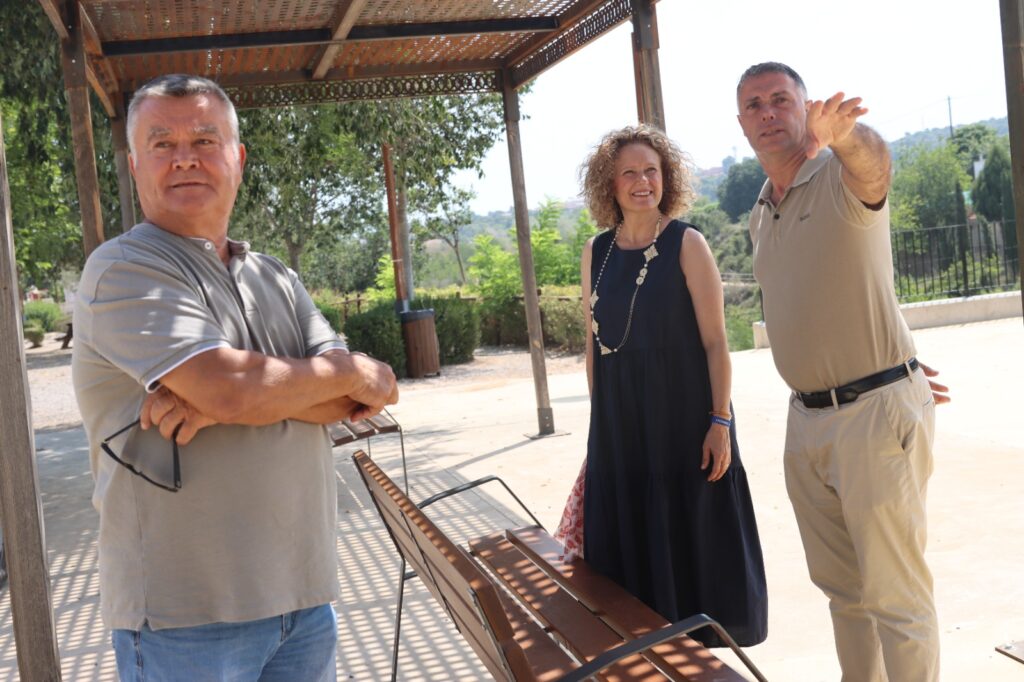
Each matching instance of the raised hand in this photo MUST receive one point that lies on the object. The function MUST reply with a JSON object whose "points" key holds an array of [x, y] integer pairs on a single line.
{"points": [[830, 122]]}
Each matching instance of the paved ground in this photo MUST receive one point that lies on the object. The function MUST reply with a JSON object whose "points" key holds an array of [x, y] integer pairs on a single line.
{"points": [[470, 423]]}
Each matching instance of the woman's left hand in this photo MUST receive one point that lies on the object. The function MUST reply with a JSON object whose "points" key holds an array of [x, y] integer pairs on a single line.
{"points": [[717, 448]]}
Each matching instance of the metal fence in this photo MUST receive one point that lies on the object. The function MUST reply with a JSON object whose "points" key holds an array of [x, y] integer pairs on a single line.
{"points": [[955, 260]]}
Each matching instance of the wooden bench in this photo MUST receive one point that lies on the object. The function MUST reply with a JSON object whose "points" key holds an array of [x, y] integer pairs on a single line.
{"points": [[530, 616]]}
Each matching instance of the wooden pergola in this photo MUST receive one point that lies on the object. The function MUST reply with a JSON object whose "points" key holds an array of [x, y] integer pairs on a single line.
{"points": [[269, 53]]}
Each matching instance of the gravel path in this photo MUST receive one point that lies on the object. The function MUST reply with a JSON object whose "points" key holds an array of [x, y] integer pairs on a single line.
{"points": [[54, 406]]}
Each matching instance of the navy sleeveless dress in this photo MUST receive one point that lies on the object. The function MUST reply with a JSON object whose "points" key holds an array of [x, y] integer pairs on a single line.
{"points": [[652, 521]]}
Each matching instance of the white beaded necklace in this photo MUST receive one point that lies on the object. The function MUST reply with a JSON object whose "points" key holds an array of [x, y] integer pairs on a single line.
{"points": [[650, 253]]}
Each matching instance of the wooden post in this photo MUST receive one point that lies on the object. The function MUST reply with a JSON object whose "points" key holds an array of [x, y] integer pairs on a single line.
{"points": [[77, 86], [125, 193], [397, 255], [1011, 13], [20, 508], [545, 417], [650, 102]]}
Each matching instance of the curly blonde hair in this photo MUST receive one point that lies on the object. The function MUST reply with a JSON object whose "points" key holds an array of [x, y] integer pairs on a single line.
{"points": [[597, 174]]}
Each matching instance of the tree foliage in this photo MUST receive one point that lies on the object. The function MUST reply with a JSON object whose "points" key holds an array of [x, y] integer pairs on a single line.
{"points": [[307, 184], [970, 142], [924, 187], [993, 188], [40, 161], [739, 190]]}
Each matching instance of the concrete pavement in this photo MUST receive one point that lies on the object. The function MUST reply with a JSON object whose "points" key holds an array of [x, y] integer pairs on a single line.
{"points": [[459, 432]]}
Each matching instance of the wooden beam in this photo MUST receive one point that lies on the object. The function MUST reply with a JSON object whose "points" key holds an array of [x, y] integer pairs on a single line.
{"points": [[125, 193], [1011, 13], [545, 416], [75, 82], [648, 72], [360, 73], [566, 21], [344, 19], [20, 507], [104, 97], [54, 15], [397, 252], [323, 36]]}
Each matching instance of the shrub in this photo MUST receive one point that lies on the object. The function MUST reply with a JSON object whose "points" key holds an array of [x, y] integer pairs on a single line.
{"points": [[331, 306], [739, 326], [34, 334], [47, 314], [378, 333], [563, 324], [503, 323], [457, 322]]}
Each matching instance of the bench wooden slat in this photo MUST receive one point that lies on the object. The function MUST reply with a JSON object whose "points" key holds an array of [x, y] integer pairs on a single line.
{"points": [[345, 431], [452, 576], [578, 629], [623, 612], [548, 660]]}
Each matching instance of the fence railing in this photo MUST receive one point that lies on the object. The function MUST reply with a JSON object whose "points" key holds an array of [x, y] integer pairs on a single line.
{"points": [[955, 260]]}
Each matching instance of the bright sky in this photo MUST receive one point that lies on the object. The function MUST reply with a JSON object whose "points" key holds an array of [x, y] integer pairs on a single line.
{"points": [[903, 58]]}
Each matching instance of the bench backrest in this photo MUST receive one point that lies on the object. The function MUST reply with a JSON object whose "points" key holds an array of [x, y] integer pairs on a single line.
{"points": [[456, 581]]}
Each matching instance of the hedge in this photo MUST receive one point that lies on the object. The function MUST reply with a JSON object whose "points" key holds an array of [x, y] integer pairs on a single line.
{"points": [[378, 333]]}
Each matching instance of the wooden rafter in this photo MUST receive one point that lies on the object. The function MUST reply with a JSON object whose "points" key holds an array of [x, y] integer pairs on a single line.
{"points": [[55, 17], [323, 36], [344, 19], [567, 20]]}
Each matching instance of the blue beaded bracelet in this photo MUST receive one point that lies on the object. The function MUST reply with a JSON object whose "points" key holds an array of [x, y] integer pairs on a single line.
{"points": [[721, 421]]}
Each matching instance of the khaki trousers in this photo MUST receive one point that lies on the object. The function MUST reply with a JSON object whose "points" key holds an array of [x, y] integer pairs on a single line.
{"points": [[857, 477]]}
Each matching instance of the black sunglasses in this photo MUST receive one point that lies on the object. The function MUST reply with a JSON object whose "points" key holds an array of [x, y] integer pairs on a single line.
{"points": [[174, 445]]}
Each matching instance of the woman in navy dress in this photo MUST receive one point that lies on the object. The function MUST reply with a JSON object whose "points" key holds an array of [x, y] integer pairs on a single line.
{"points": [[667, 510]]}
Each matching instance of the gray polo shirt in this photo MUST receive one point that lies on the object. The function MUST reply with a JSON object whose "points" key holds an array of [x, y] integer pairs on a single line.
{"points": [[251, 533]]}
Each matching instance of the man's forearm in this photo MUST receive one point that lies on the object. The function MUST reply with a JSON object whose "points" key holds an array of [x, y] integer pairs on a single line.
{"points": [[867, 165], [244, 387]]}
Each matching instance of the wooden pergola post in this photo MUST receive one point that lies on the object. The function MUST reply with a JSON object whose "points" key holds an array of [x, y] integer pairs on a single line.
{"points": [[1011, 14], [21, 510], [77, 86], [545, 417], [398, 255], [647, 73], [125, 192]]}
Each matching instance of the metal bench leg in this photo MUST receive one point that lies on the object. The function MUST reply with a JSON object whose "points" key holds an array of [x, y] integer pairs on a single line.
{"points": [[397, 621]]}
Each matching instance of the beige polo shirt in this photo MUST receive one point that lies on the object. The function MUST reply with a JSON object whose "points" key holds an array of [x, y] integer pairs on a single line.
{"points": [[824, 263], [251, 534]]}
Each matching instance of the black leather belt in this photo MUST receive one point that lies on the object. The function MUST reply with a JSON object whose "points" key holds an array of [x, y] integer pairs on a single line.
{"points": [[849, 392]]}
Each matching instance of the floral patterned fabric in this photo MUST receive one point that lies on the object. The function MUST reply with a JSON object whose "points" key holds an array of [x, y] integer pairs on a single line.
{"points": [[570, 528]]}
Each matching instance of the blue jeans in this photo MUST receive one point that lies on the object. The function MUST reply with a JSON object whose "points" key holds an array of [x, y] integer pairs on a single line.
{"points": [[299, 646]]}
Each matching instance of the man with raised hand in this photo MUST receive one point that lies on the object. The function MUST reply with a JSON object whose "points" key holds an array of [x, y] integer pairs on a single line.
{"points": [[858, 451]]}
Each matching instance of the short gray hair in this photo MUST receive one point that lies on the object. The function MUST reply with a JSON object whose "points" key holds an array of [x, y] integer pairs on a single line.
{"points": [[770, 67], [178, 85]]}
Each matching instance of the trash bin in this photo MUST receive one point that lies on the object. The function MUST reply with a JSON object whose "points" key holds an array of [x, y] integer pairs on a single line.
{"points": [[421, 351]]}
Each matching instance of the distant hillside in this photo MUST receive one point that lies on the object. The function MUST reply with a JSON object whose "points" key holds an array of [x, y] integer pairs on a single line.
{"points": [[937, 136]]}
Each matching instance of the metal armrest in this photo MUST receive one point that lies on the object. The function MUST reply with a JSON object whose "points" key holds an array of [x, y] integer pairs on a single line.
{"points": [[657, 637], [473, 484]]}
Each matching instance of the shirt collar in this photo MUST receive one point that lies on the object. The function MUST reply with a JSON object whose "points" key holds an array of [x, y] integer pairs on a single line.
{"points": [[807, 171]]}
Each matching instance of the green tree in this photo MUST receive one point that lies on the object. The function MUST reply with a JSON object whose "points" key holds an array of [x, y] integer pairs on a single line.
{"points": [[993, 188], [739, 190], [431, 138], [924, 185], [37, 131], [307, 183], [970, 142], [446, 221]]}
